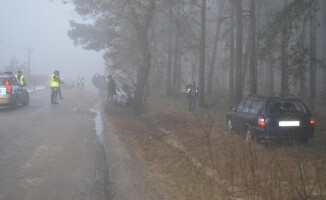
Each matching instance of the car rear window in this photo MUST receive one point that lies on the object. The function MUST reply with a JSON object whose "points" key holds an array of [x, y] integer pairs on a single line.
{"points": [[279, 107]]}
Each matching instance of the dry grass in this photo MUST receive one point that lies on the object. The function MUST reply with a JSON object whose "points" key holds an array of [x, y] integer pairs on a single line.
{"points": [[168, 168], [247, 170]]}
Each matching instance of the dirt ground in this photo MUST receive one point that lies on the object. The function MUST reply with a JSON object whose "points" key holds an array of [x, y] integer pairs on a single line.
{"points": [[191, 156], [167, 173]]}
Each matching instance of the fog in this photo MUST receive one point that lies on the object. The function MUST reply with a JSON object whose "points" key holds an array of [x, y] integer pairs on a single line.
{"points": [[42, 26]]}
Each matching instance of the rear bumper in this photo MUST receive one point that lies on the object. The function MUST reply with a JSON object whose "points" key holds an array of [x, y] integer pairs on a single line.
{"points": [[302, 133], [6, 99]]}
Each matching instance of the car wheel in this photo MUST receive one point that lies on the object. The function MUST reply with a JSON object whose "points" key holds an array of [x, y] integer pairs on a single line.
{"points": [[248, 135], [229, 125], [14, 104], [26, 102]]}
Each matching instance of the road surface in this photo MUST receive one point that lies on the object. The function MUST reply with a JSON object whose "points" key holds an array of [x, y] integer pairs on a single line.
{"points": [[53, 152]]}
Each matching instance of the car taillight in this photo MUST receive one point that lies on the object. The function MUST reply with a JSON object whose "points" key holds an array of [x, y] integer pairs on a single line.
{"points": [[312, 122], [8, 87], [261, 122]]}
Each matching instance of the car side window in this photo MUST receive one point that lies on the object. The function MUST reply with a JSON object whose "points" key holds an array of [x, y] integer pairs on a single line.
{"points": [[240, 105], [246, 106], [256, 107]]}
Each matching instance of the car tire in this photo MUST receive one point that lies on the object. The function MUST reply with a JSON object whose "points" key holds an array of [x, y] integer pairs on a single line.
{"points": [[229, 125], [14, 104], [26, 102], [249, 135]]}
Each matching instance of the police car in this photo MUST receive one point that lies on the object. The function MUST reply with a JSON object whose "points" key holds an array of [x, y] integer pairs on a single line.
{"points": [[11, 92]]}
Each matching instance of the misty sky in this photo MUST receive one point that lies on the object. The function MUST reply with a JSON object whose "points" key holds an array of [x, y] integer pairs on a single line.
{"points": [[42, 26]]}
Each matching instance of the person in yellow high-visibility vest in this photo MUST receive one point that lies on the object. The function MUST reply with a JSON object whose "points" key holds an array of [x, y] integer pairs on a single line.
{"points": [[20, 77], [82, 83], [192, 93], [54, 84]]}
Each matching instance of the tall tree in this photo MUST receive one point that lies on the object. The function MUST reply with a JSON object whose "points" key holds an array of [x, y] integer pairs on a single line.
{"points": [[169, 62], [175, 65], [215, 48], [118, 26], [202, 54], [324, 44], [313, 56], [284, 57], [238, 72], [231, 70], [252, 51]]}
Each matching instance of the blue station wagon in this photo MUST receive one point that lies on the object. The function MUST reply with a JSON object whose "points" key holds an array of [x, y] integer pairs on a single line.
{"points": [[271, 118]]}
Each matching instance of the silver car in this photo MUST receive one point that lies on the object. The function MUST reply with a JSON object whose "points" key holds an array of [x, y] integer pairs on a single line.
{"points": [[11, 92]]}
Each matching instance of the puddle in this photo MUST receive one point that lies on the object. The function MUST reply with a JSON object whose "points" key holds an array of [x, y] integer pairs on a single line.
{"points": [[98, 125], [101, 171]]}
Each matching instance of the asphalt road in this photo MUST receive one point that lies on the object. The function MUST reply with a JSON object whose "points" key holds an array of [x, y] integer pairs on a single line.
{"points": [[52, 152]]}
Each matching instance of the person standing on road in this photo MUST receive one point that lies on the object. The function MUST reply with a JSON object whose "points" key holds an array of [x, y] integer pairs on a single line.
{"points": [[82, 82], [111, 90], [192, 94], [54, 84], [20, 77]]}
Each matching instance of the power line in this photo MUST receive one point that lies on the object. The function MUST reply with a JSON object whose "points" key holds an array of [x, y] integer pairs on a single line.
{"points": [[12, 45]]}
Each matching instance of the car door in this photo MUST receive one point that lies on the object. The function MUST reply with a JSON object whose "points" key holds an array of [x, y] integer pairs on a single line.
{"points": [[17, 88], [236, 121], [244, 115]]}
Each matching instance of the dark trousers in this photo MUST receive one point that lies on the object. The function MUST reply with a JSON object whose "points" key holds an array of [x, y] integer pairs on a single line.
{"points": [[54, 94], [192, 103]]}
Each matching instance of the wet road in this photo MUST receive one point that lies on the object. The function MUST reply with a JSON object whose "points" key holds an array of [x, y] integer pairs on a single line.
{"points": [[51, 152]]}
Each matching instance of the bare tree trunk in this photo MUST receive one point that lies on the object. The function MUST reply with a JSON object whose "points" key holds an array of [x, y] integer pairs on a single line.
{"points": [[271, 79], [303, 79], [313, 58], [175, 65], [178, 86], [202, 55], [258, 61], [238, 74], [231, 72], [144, 47], [252, 52], [169, 64], [245, 64], [215, 49], [284, 58], [324, 45], [142, 75]]}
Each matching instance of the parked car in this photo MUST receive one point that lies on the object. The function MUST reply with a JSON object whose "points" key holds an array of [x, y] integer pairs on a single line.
{"points": [[271, 118], [11, 92]]}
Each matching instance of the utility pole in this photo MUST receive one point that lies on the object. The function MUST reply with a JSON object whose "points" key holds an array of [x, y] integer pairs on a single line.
{"points": [[29, 51]]}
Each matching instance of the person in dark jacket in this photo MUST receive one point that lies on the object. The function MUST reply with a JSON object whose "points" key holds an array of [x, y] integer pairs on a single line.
{"points": [[192, 94], [111, 90]]}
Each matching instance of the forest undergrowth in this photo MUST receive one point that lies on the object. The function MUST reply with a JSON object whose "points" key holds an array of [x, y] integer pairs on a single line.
{"points": [[247, 170]]}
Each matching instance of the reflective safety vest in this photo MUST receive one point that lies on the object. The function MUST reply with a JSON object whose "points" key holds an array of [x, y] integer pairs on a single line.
{"points": [[188, 90], [53, 83], [82, 81], [21, 79], [78, 80]]}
